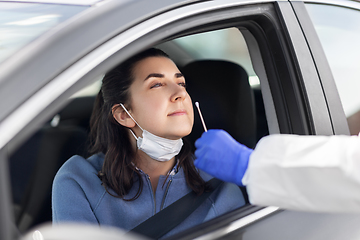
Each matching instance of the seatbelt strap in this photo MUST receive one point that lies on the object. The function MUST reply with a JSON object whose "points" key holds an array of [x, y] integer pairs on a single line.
{"points": [[171, 216]]}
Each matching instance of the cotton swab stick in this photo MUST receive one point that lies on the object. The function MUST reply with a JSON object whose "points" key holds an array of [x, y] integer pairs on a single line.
{"points": [[201, 117]]}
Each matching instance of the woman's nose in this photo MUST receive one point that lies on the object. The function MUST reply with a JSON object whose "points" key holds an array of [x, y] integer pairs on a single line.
{"points": [[179, 94]]}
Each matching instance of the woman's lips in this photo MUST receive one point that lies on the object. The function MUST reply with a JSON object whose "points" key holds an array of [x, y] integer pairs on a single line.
{"points": [[178, 113]]}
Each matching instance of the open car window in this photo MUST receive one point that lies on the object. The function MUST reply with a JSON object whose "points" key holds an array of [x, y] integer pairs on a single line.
{"points": [[227, 101]]}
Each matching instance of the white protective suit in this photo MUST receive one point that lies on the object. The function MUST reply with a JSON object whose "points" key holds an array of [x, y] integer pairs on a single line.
{"points": [[308, 173]]}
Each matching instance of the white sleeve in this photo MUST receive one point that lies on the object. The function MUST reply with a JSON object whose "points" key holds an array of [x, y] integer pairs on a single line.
{"points": [[309, 173]]}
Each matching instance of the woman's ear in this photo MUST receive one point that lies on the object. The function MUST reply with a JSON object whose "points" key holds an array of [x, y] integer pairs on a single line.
{"points": [[122, 117]]}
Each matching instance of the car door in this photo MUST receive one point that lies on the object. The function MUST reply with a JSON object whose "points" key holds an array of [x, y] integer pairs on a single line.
{"points": [[295, 100]]}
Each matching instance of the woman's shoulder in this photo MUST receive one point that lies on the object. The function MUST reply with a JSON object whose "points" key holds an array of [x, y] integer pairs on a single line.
{"points": [[225, 189], [77, 167], [79, 164], [227, 197], [75, 186]]}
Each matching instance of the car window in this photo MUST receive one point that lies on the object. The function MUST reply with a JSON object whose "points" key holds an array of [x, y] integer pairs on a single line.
{"points": [[20, 23], [66, 133], [340, 37], [227, 44]]}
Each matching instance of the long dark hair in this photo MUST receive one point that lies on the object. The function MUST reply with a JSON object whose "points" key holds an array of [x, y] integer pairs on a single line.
{"points": [[112, 139]]}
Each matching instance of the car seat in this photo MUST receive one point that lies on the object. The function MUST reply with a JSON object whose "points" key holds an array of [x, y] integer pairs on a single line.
{"points": [[226, 99], [34, 165]]}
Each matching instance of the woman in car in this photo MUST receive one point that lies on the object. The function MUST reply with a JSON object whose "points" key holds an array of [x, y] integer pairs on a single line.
{"points": [[140, 164]]}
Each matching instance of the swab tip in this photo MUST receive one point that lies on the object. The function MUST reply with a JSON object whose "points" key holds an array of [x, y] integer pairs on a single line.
{"points": [[197, 104]]}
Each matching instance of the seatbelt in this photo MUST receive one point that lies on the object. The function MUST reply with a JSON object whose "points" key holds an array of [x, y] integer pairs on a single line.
{"points": [[171, 216]]}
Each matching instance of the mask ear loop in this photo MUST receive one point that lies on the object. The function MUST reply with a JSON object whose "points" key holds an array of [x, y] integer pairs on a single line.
{"points": [[132, 119]]}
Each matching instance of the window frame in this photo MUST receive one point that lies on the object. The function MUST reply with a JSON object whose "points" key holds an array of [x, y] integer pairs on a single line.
{"points": [[338, 117]]}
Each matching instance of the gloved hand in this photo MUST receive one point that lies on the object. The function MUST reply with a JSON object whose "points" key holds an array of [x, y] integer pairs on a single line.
{"points": [[218, 154]]}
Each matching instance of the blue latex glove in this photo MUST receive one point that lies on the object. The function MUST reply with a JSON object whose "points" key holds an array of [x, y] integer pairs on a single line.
{"points": [[218, 154]]}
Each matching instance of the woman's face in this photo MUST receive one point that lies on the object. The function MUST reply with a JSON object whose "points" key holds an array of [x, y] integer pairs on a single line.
{"points": [[159, 101]]}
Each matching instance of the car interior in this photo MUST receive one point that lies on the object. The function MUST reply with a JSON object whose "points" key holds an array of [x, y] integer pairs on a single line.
{"points": [[220, 79]]}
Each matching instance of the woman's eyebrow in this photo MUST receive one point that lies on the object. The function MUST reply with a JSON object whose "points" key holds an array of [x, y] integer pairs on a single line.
{"points": [[179, 75], [159, 75], [156, 75]]}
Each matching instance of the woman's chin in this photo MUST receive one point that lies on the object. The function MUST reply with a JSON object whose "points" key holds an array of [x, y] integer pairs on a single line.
{"points": [[178, 135]]}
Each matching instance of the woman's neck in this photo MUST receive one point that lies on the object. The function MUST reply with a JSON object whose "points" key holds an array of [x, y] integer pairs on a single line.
{"points": [[152, 167]]}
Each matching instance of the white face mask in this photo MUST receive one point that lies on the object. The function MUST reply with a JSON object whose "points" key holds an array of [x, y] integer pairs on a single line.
{"points": [[158, 148]]}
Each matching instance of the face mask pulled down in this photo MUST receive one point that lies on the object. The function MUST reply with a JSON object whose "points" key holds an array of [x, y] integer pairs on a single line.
{"points": [[158, 148]]}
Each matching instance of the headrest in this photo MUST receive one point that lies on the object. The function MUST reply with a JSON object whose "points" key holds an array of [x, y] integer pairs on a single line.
{"points": [[77, 112], [226, 99]]}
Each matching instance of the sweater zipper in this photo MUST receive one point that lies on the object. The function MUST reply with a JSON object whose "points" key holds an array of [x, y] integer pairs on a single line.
{"points": [[152, 193], [166, 191]]}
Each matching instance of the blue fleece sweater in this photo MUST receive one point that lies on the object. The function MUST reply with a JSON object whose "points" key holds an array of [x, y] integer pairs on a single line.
{"points": [[79, 196]]}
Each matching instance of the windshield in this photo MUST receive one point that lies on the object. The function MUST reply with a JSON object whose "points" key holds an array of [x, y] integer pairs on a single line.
{"points": [[21, 23]]}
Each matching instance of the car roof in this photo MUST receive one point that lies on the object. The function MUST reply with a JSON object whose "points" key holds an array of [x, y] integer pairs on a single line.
{"points": [[68, 2]]}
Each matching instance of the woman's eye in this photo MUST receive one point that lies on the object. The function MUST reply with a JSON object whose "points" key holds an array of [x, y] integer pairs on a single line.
{"points": [[156, 85], [183, 84]]}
